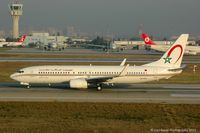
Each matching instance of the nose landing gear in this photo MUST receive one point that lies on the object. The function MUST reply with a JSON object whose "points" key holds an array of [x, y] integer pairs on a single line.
{"points": [[26, 84], [99, 87]]}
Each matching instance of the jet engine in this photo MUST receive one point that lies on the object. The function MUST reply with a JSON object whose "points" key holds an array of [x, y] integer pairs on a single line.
{"points": [[78, 84]]}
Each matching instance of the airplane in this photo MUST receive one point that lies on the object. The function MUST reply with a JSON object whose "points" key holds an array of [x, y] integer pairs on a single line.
{"points": [[83, 77], [2, 40], [54, 46], [190, 50], [13, 44], [3, 43]]}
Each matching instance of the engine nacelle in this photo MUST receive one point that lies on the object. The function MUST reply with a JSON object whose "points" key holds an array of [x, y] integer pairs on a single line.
{"points": [[78, 84]]}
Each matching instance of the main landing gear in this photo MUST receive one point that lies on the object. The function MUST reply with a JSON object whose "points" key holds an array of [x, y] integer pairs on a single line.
{"points": [[99, 86], [28, 86]]}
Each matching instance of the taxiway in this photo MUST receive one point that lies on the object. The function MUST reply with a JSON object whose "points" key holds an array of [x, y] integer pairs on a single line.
{"points": [[78, 60]]}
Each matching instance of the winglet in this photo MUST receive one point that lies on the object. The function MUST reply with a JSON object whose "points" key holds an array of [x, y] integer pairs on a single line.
{"points": [[123, 73], [123, 62]]}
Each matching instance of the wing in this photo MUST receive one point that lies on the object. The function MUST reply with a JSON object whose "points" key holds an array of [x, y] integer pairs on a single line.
{"points": [[107, 78], [99, 79]]}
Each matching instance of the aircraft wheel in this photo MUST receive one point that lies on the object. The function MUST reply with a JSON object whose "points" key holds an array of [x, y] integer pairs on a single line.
{"points": [[99, 87]]}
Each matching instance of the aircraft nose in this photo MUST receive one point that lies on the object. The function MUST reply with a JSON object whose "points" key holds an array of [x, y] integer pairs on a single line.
{"points": [[13, 76]]}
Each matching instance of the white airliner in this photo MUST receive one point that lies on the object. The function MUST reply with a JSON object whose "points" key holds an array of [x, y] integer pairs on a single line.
{"points": [[81, 77], [13, 44], [190, 50], [3, 44]]}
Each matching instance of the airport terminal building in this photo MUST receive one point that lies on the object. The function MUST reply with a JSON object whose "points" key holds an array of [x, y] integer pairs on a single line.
{"points": [[43, 39]]}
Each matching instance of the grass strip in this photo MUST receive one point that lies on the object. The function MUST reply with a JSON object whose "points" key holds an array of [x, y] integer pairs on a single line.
{"points": [[60, 117]]}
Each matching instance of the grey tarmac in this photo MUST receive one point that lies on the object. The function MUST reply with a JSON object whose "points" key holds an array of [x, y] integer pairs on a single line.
{"points": [[135, 93]]}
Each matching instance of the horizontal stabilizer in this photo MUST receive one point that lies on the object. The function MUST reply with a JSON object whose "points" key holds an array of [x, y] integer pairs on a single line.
{"points": [[178, 69]]}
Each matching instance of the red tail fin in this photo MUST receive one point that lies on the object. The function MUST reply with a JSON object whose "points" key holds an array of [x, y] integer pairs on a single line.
{"points": [[22, 39], [147, 40]]}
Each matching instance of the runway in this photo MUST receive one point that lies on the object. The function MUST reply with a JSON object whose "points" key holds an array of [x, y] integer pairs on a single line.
{"points": [[137, 93]]}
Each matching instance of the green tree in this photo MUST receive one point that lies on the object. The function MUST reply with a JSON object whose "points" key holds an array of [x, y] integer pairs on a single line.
{"points": [[99, 41]]}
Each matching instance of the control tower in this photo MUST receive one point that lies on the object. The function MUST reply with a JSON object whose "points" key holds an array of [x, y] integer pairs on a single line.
{"points": [[16, 11]]}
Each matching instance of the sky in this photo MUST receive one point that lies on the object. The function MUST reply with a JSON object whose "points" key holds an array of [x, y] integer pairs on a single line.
{"points": [[119, 17]]}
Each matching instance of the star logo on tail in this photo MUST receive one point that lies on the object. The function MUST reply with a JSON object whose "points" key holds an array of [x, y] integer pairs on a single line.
{"points": [[167, 60]]}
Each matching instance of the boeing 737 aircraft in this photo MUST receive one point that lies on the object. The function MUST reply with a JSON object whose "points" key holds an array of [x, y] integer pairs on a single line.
{"points": [[190, 50], [13, 44], [82, 77]]}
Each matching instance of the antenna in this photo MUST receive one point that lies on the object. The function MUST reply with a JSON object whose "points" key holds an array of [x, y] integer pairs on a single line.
{"points": [[140, 29]]}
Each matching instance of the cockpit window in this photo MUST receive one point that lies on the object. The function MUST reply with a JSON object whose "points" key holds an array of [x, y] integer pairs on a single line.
{"points": [[20, 71]]}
